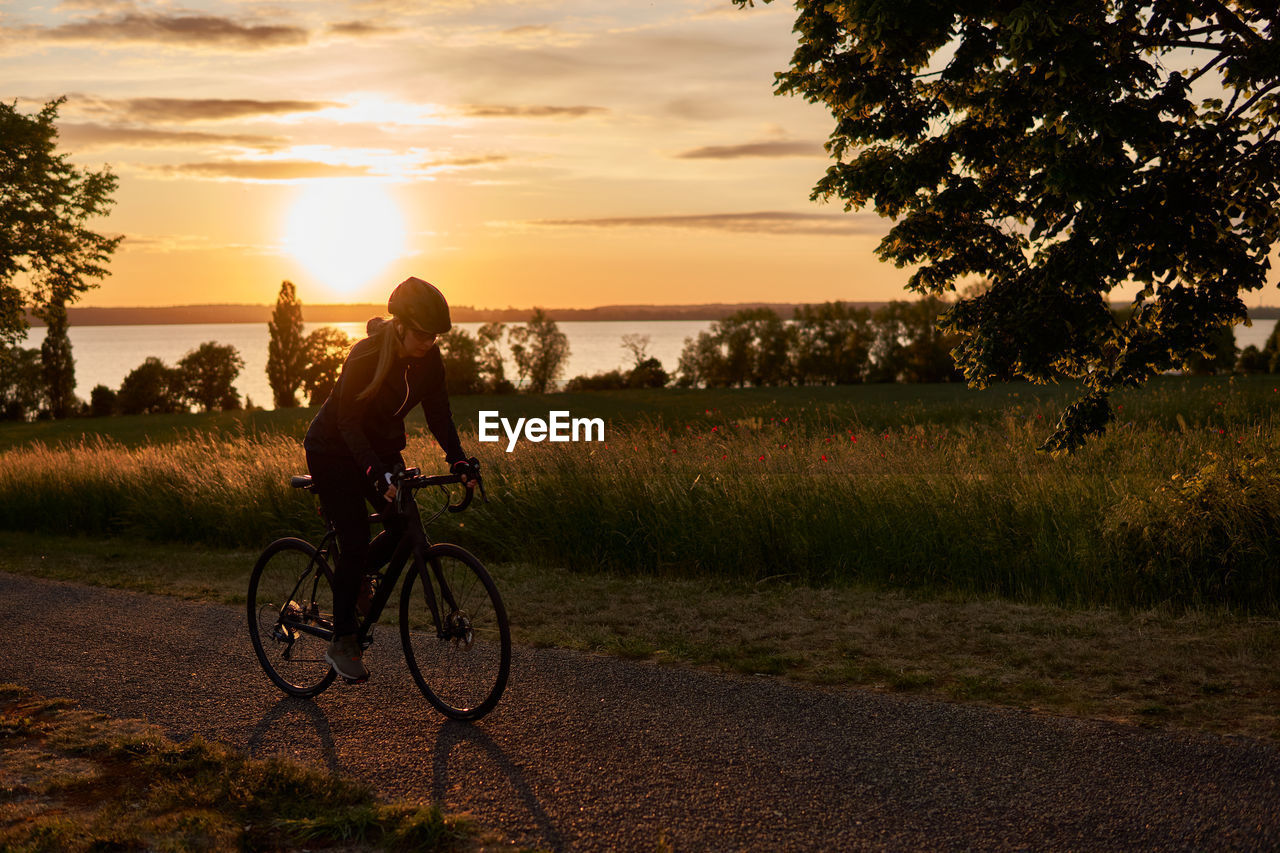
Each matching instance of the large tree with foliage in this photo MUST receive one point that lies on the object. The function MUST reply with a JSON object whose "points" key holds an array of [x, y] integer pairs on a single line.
{"points": [[287, 350], [492, 364], [461, 354], [57, 365], [326, 351], [208, 372], [152, 387], [540, 350], [48, 255], [21, 388], [832, 343], [749, 347], [1062, 150]]}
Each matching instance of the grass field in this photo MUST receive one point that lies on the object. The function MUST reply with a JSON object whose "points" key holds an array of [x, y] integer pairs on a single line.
{"points": [[79, 781], [917, 487], [1207, 402], [899, 537]]}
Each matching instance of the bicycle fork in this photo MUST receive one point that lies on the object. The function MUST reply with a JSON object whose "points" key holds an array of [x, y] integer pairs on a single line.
{"points": [[444, 624]]}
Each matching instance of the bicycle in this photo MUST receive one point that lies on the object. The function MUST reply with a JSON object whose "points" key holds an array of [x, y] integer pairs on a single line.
{"points": [[452, 623]]}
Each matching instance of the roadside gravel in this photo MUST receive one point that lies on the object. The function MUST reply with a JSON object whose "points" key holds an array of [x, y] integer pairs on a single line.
{"points": [[595, 753]]}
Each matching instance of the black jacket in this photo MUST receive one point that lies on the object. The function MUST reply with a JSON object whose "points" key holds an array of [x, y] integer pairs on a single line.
{"points": [[372, 430]]}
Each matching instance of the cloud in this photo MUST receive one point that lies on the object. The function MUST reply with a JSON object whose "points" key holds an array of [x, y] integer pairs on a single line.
{"points": [[181, 29], [537, 30], [262, 170], [191, 109], [531, 111], [764, 222], [166, 243], [466, 162], [754, 149], [93, 5], [361, 29], [87, 136]]}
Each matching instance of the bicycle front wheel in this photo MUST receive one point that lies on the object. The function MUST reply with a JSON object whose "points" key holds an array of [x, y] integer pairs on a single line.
{"points": [[459, 655], [291, 616]]}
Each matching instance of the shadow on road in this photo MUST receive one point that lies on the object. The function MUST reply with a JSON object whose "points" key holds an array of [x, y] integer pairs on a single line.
{"points": [[453, 735], [281, 732]]}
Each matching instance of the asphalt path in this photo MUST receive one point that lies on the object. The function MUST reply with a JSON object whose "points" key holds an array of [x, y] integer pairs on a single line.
{"points": [[593, 753]]}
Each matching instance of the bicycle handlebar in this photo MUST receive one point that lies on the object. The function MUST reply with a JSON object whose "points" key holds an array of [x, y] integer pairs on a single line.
{"points": [[411, 479]]}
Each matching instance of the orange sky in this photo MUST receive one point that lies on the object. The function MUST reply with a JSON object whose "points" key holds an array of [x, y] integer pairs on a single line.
{"points": [[515, 152]]}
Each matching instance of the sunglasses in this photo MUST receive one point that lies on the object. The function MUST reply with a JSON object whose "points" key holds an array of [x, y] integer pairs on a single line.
{"points": [[424, 337]]}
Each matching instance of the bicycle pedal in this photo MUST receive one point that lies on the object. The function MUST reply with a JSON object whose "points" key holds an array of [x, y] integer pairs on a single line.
{"points": [[355, 680]]}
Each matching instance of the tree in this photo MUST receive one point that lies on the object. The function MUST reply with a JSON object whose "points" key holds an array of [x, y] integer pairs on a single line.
{"points": [[1270, 353], [492, 364], [102, 401], [609, 380], [152, 387], [766, 342], [833, 343], [325, 350], [1251, 360], [1218, 357], [208, 372], [461, 354], [909, 346], [749, 347], [57, 366], [540, 350], [1061, 150], [287, 351], [647, 372], [48, 257], [703, 362], [638, 345], [21, 388]]}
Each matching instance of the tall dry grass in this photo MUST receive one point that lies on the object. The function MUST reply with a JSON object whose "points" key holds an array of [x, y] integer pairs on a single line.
{"points": [[1159, 513]]}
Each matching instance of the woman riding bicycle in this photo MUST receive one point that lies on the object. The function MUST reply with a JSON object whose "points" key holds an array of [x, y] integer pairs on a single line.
{"points": [[353, 445]]}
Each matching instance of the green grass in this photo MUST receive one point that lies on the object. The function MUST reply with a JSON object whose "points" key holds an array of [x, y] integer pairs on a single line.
{"points": [[71, 780], [917, 487], [1213, 669], [873, 407]]}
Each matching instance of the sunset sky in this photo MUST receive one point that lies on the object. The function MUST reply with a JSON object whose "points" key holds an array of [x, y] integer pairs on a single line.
{"points": [[515, 152]]}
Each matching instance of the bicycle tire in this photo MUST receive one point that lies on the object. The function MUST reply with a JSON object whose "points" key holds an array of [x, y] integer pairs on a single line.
{"points": [[284, 576], [464, 673]]}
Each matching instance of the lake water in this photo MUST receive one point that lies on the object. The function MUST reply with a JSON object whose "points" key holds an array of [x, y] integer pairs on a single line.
{"points": [[105, 354]]}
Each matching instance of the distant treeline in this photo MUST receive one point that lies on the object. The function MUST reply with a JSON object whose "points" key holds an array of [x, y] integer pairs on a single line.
{"points": [[360, 312]]}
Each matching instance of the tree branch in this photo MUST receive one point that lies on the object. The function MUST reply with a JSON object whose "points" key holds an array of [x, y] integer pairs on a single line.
{"points": [[1245, 106], [1230, 20], [1204, 69], [1220, 49]]}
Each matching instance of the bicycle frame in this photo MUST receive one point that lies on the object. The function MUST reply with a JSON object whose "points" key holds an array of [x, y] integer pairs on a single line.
{"points": [[413, 544]]}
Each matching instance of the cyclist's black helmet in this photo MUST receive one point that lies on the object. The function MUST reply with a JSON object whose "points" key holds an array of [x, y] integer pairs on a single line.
{"points": [[421, 305]]}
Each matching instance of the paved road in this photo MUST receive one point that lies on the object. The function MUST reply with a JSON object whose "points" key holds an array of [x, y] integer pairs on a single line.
{"points": [[593, 753]]}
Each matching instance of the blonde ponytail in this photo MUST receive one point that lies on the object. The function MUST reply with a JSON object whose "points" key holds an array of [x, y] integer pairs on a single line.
{"points": [[384, 331]]}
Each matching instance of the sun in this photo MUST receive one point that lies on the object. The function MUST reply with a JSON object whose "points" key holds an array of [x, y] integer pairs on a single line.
{"points": [[345, 232]]}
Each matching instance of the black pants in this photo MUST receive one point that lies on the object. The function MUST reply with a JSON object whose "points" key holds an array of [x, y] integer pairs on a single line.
{"points": [[345, 493]]}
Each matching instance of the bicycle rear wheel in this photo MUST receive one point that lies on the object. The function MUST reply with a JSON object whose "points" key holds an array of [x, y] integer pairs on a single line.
{"points": [[461, 666], [290, 602]]}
